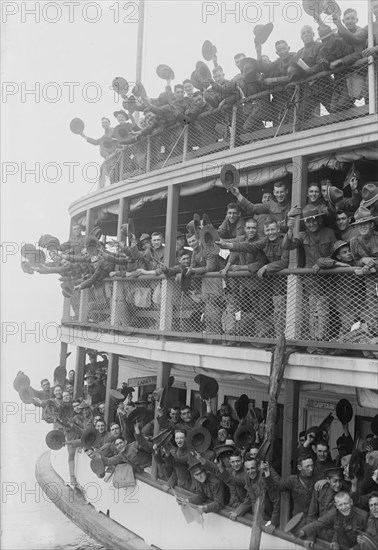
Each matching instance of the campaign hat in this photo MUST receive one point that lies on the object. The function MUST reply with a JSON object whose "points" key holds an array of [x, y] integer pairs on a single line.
{"points": [[60, 373], [26, 394], [195, 466], [293, 522], [363, 215], [162, 438], [208, 387], [144, 237], [205, 421], [194, 225], [325, 424], [120, 112], [21, 380], [242, 406], [165, 72], [334, 194], [122, 131], [137, 415], [90, 374], [203, 72], [198, 439], [223, 449], [263, 451], [88, 437], [330, 7], [116, 395], [369, 194], [83, 405], [313, 6], [335, 248], [244, 436], [195, 80], [97, 466], [55, 440], [229, 176], [77, 126], [344, 411], [334, 471], [120, 85], [310, 211], [325, 31], [262, 33], [374, 425], [208, 50]]}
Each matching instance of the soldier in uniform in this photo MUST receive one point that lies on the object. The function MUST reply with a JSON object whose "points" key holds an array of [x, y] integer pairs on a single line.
{"points": [[209, 491]]}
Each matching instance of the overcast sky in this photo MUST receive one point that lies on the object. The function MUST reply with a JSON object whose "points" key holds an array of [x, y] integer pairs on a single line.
{"points": [[69, 53]]}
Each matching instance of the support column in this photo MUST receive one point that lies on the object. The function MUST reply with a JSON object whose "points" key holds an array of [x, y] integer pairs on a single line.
{"points": [[163, 374], [169, 256], [290, 438], [111, 384], [63, 354], [79, 372], [371, 64], [117, 303], [294, 286], [90, 221]]}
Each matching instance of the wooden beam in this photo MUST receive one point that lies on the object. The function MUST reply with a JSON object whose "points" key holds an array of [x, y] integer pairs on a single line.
{"points": [[171, 225], [111, 384], [79, 372], [90, 221], [275, 381], [290, 438], [63, 354], [123, 214]]}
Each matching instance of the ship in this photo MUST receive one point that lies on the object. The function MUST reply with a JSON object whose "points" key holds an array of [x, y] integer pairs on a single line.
{"points": [[149, 333]]}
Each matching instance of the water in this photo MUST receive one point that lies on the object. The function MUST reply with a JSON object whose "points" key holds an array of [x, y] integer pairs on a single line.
{"points": [[29, 521]]}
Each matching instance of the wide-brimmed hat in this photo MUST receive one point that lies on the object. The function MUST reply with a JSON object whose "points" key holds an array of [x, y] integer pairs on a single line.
{"points": [[60, 373], [55, 440], [369, 194], [26, 394], [97, 466], [21, 380], [27, 249], [203, 72], [312, 7], [198, 439], [48, 241], [195, 466], [262, 33], [77, 126], [208, 387], [223, 449], [310, 211], [336, 247], [208, 50], [344, 411], [137, 415], [325, 31], [67, 290], [120, 85], [88, 437], [325, 424], [120, 112], [122, 132], [194, 225], [242, 406], [165, 72], [374, 425], [293, 522], [195, 80], [162, 438], [144, 237], [229, 176], [334, 195], [263, 451], [363, 215], [334, 471], [116, 395], [207, 422], [83, 405], [244, 436], [330, 7]]}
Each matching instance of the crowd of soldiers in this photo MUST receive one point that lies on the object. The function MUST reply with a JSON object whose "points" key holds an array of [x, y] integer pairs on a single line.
{"points": [[204, 102], [220, 459], [259, 237]]}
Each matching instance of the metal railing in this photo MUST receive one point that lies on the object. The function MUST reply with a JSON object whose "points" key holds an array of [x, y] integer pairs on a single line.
{"points": [[332, 309], [322, 99]]}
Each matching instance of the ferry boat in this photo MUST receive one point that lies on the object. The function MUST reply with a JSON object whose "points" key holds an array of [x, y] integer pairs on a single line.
{"points": [[158, 183]]}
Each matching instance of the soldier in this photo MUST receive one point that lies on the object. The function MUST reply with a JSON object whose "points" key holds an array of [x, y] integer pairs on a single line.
{"points": [[233, 224], [208, 489], [344, 231], [345, 521]]}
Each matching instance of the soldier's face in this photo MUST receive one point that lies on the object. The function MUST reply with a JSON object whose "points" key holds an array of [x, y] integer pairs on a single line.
{"points": [[185, 260], [200, 476], [188, 89], [335, 483], [312, 224], [193, 242], [344, 504], [250, 230], [46, 386], [157, 241], [365, 228], [373, 506], [76, 230], [267, 197], [120, 445], [344, 255], [219, 77], [105, 123], [307, 35], [350, 20], [179, 93], [180, 439], [342, 221], [282, 50], [251, 469], [324, 188], [121, 118], [100, 427], [226, 422], [280, 193], [321, 453], [233, 215], [238, 60], [306, 467], [253, 452], [271, 231], [313, 193], [222, 434], [115, 430], [236, 463]]}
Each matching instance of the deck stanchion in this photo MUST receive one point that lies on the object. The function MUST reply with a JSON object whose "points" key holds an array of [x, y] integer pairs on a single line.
{"points": [[79, 372], [111, 384], [163, 373]]}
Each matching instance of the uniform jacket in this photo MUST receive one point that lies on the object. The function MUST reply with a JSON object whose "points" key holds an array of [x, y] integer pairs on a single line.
{"points": [[277, 211], [316, 245], [211, 493], [276, 255]]}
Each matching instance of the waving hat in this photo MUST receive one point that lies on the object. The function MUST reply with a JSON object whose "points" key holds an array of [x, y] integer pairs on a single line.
{"points": [[208, 50], [208, 387], [120, 85], [344, 411], [244, 436], [137, 415], [77, 126], [203, 73], [223, 449], [165, 72], [97, 466], [363, 215], [21, 380], [262, 33], [310, 211], [55, 440], [116, 395], [312, 7], [263, 451], [242, 406], [162, 438], [326, 422], [207, 422], [122, 132], [193, 226], [198, 439], [26, 394], [50, 411], [28, 249], [27, 268], [88, 437], [293, 522], [369, 194], [331, 7], [229, 176], [195, 80], [60, 373]]}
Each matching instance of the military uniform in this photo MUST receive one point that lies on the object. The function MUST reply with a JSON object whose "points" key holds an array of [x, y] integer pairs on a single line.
{"points": [[301, 490], [278, 211], [272, 499], [236, 482], [210, 492]]}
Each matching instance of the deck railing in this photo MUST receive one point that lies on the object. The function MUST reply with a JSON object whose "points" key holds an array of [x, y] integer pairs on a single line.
{"points": [[334, 309], [320, 100]]}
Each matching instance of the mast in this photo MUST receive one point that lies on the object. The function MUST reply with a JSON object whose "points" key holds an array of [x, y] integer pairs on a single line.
{"points": [[140, 39], [371, 68]]}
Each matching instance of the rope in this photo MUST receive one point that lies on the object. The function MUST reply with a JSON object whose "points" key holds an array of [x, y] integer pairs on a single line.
{"points": [[286, 111]]}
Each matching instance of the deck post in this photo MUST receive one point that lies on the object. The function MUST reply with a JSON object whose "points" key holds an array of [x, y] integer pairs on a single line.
{"points": [[163, 373], [63, 354], [372, 66], [111, 384], [275, 381], [118, 305], [294, 286], [290, 438], [79, 372], [169, 256]]}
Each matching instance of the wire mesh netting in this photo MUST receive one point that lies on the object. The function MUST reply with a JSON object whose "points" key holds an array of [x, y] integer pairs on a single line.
{"points": [[340, 308]]}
